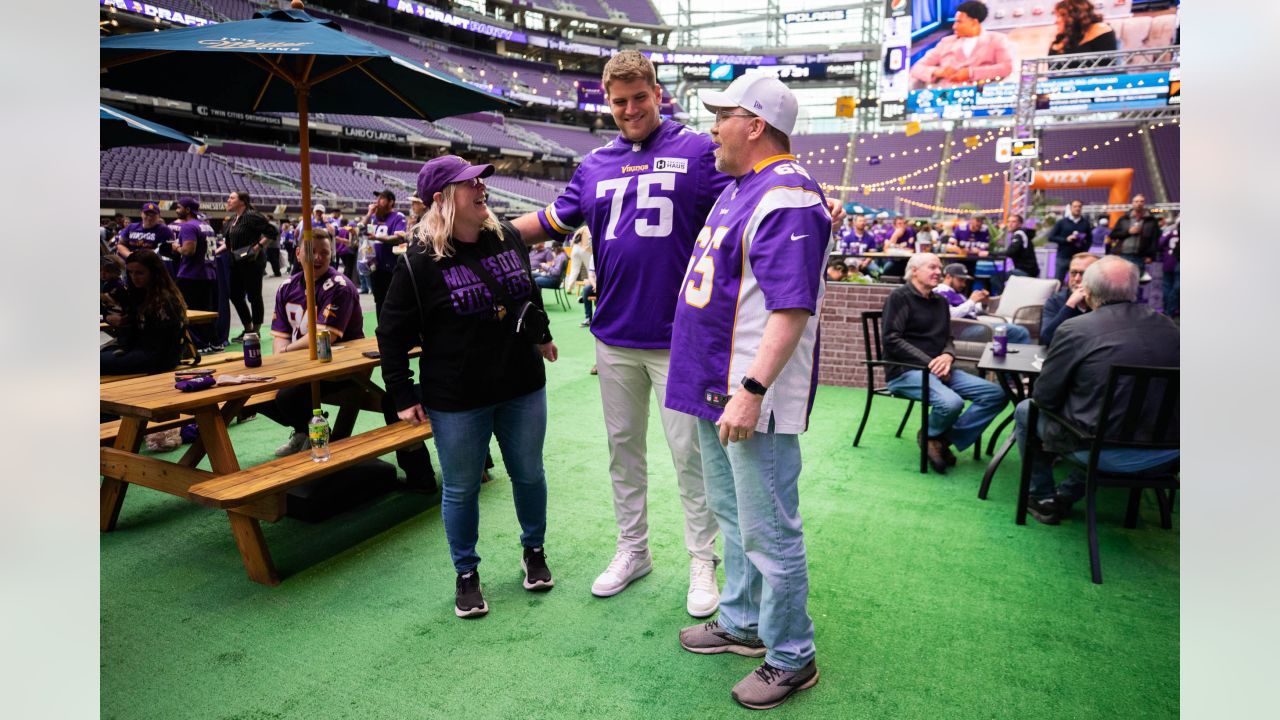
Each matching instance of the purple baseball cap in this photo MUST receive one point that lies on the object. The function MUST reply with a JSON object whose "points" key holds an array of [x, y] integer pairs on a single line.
{"points": [[444, 170], [150, 207], [189, 203]]}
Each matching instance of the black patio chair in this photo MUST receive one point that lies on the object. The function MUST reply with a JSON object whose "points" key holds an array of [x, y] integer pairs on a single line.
{"points": [[875, 359], [1146, 422]]}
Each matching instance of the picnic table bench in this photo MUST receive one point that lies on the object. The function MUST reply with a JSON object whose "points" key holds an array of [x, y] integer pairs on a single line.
{"points": [[248, 495]]}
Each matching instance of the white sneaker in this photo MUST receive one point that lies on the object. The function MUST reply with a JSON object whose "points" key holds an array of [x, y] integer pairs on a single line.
{"points": [[625, 567], [704, 595], [297, 441]]}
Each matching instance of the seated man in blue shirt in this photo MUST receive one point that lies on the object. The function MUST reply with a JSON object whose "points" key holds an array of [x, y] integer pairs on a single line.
{"points": [[551, 273], [1067, 302], [954, 279]]}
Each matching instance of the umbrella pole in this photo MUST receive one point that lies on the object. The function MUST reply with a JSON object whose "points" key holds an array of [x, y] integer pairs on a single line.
{"points": [[304, 153]]}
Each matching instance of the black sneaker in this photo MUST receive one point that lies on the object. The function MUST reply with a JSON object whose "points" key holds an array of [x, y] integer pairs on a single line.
{"points": [[468, 601], [1044, 510], [537, 576]]}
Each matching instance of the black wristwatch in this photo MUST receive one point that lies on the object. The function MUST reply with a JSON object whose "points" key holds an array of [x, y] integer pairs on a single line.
{"points": [[753, 386]]}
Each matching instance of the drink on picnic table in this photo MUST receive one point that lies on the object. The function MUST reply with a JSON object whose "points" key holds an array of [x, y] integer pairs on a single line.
{"points": [[324, 346], [252, 350], [318, 434], [1000, 340]]}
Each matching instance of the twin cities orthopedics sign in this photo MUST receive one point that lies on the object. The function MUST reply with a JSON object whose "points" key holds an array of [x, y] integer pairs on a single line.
{"points": [[173, 16], [440, 16]]}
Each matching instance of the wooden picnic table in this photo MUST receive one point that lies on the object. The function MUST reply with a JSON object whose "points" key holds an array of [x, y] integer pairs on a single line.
{"points": [[253, 494]]}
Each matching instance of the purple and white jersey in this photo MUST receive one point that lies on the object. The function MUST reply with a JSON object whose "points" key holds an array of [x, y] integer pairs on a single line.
{"points": [[764, 248], [853, 244], [199, 266], [384, 252], [136, 237], [971, 241], [644, 203], [337, 304]]}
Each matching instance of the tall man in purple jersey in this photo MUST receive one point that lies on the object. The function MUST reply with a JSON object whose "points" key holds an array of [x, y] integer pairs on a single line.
{"points": [[744, 350], [644, 196], [195, 276], [388, 228]]}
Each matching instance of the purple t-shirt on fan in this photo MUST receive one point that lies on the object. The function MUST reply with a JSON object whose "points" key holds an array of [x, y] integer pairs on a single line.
{"points": [[136, 237], [644, 203], [971, 241], [388, 225], [908, 238], [200, 265], [337, 306], [763, 248], [853, 244]]}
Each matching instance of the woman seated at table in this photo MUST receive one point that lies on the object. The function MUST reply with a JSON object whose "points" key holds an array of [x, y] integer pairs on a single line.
{"points": [[150, 325], [458, 292]]}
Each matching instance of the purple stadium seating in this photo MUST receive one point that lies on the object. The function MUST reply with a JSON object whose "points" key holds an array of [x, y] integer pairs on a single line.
{"points": [[161, 173], [641, 11], [876, 148], [579, 140]]}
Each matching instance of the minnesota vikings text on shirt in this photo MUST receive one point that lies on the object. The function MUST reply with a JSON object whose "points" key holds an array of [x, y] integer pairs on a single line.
{"points": [[470, 295]]}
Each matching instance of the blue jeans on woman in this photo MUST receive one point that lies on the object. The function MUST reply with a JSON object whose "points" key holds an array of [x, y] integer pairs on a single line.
{"points": [[462, 443], [751, 489], [946, 401]]}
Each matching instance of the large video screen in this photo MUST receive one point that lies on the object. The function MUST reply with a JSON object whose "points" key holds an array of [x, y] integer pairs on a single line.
{"points": [[966, 64]]}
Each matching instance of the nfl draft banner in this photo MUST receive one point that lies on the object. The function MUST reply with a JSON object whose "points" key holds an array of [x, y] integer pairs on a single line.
{"points": [[149, 10]]}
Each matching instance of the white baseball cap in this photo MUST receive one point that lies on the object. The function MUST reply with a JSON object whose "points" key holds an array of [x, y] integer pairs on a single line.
{"points": [[763, 95], [318, 208]]}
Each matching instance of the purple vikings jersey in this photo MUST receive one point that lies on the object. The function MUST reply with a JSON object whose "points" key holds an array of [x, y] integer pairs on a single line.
{"points": [[907, 239], [643, 203], [135, 237], [200, 265], [764, 248], [971, 241], [385, 252], [337, 303]]}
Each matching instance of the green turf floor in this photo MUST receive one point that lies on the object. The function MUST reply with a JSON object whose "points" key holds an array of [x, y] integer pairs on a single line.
{"points": [[928, 603]]}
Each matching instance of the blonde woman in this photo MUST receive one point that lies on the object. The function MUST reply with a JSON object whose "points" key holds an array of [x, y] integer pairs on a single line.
{"points": [[458, 293], [584, 269]]}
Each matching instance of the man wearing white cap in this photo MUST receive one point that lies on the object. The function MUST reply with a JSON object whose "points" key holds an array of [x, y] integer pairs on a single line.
{"points": [[743, 361]]}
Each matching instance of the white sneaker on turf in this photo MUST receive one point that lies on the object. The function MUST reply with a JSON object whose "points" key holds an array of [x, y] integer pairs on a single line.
{"points": [[704, 595], [297, 441], [625, 567]]}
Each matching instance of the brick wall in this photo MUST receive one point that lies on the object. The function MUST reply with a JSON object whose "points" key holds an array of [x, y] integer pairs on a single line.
{"points": [[842, 355]]}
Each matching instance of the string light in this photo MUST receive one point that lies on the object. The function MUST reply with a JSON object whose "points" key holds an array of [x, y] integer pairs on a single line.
{"points": [[950, 210]]}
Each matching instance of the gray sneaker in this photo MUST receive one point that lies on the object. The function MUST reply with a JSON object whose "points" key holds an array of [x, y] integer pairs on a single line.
{"points": [[768, 687], [709, 638], [297, 441]]}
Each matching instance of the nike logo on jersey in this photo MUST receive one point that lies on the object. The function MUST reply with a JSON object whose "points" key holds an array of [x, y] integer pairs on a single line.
{"points": [[795, 237]]}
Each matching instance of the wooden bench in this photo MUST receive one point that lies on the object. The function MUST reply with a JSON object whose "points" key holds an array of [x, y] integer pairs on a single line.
{"points": [[259, 492], [108, 431]]}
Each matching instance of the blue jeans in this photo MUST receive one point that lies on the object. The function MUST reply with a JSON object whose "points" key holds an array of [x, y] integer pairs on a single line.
{"points": [[751, 489], [1172, 286], [1109, 461], [946, 401], [1017, 334], [462, 443], [549, 282]]}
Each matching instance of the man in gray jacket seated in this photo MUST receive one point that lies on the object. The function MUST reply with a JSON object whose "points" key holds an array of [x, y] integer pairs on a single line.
{"points": [[1117, 331]]}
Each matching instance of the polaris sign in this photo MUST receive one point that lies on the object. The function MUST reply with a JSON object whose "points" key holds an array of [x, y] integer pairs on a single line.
{"points": [[816, 16]]}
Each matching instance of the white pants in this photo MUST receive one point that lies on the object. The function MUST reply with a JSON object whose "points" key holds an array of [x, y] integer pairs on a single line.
{"points": [[626, 378]]}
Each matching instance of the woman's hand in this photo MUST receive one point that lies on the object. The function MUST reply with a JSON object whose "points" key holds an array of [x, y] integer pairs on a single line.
{"points": [[413, 415], [548, 351], [114, 320]]}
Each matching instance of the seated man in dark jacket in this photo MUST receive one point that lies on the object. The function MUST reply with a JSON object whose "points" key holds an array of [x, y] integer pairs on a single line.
{"points": [[1117, 331], [1067, 302], [917, 330]]}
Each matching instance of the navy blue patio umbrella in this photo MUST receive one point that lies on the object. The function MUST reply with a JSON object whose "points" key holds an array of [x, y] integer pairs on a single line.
{"points": [[117, 128], [285, 61]]}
